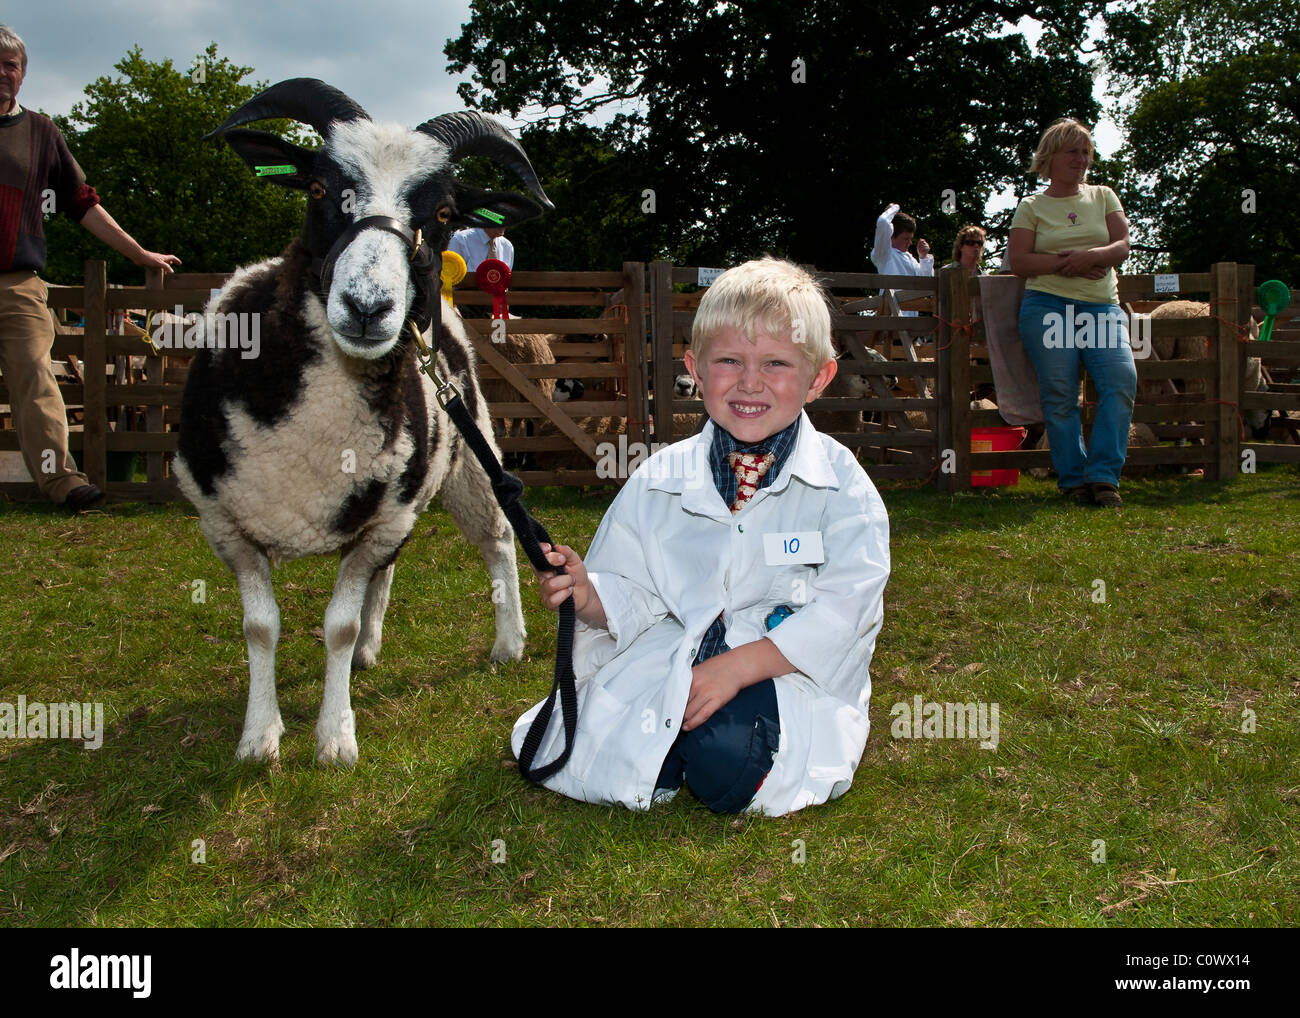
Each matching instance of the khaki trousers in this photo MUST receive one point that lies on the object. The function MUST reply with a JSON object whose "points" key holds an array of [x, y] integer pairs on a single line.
{"points": [[40, 419]]}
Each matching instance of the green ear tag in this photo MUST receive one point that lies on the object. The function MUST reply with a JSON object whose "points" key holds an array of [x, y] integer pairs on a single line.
{"points": [[274, 171], [496, 217]]}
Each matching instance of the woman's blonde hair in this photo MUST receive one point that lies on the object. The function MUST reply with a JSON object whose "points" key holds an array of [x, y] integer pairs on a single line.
{"points": [[767, 295], [1065, 133], [967, 232]]}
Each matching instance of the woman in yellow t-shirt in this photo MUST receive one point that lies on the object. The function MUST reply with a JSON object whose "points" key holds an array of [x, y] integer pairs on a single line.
{"points": [[1067, 241]]}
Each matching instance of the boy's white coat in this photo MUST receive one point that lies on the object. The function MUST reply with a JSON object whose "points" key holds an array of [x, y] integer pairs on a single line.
{"points": [[668, 557]]}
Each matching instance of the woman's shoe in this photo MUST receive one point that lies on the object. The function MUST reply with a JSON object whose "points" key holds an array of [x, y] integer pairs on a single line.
{"points": [[1106, 496]]}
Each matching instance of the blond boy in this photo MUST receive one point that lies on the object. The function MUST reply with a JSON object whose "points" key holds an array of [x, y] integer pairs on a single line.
{"points": [[729, 604]]}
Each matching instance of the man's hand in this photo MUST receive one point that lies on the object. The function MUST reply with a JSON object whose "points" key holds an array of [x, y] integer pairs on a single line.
{"points": [[713, 685], [154, 260]]}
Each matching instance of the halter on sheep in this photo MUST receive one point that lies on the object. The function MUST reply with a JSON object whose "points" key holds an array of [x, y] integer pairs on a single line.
{"points": [[261, 439]]}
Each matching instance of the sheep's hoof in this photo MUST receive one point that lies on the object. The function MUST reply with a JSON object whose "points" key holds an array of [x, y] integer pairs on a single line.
{"points": [[261, 745], [363, 658], [337, 748], [337, 752], [507, 649]]}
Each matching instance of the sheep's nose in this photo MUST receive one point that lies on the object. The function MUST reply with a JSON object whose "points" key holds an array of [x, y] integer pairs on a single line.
{"points": [[364, 312]]}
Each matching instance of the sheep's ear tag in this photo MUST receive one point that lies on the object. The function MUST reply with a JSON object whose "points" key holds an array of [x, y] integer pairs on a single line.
{"points": [[453, 271], [493, 276], [274, 171], [495, 217]]}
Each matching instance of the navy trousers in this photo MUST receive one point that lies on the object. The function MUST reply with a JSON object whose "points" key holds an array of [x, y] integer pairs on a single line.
{"points": [[725, 759]]}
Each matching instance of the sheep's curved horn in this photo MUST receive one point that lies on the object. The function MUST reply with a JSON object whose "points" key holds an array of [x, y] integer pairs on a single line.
{"points": [[472, 134], [307, 100]]}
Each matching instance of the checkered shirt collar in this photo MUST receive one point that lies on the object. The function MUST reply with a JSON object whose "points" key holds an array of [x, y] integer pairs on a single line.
{"points": [[779, 445]]}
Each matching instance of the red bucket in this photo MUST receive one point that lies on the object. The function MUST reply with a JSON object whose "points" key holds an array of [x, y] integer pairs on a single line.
{"points": [[995, 440]]}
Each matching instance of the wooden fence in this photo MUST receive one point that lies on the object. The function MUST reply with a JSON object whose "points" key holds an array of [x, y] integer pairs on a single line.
{"points": [[623, 334], [117, 417], [940, 358]]}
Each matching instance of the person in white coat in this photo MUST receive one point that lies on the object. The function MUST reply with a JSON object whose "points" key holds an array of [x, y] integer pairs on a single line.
{"points": [[891, 252], [727, 617]]}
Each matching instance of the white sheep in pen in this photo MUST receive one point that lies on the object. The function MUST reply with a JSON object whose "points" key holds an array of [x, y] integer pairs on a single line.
{"points": [[332, 439], [1194, 348]]}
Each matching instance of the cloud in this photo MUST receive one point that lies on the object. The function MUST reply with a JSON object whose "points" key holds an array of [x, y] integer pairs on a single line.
{"points": [[386, 54]]}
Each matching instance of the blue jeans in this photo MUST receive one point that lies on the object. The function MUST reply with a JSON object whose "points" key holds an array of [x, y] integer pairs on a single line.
{"points": [[1057, 334], [726, 759]]}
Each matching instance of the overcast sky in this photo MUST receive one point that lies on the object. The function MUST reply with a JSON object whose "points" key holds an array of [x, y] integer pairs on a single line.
{"points": [[386, 54]]}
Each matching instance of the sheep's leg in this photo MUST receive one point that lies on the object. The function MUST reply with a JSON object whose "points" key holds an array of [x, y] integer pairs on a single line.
{"points": [[468, 497], [372, 619], [262, 725], [336, 739]]}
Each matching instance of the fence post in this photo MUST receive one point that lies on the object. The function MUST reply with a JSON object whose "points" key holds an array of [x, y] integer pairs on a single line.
{"points": [[1224, 305], [634, 355], [94, 443], [1245, 302], [154, 367], [661, 343], [952, 304]]}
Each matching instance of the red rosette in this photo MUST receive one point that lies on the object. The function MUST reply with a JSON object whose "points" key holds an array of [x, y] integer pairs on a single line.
{"points": [[493, 276]]}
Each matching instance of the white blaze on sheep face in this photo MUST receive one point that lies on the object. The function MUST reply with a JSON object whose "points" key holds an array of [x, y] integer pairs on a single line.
{"points": [[372, 290]]}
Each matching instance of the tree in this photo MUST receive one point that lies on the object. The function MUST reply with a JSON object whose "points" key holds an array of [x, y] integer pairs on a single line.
{"points": [[600, 223], [1212, 109], [138, 139], [785, 126]]}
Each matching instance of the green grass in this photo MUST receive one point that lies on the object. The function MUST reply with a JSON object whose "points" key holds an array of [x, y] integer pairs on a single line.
{"points": [[1120, 721]]}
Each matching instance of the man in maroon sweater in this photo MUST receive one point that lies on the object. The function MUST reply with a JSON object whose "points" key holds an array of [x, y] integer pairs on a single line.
{"points": [[37, 175]]}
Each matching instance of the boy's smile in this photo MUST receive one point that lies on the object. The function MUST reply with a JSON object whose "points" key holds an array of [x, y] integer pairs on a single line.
{"points": [[755, 389]]}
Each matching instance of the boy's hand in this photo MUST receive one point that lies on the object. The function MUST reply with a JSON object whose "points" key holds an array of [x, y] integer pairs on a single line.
{"points": [[555, 587], [713, 685]]}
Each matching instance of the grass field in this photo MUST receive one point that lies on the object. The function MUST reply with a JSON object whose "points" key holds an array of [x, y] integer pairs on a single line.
{"points": [[1160, 721]]}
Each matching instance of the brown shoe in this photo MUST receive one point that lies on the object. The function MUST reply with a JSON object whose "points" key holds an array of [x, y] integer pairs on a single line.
{"points": [[86, 497], [1080, 495], [1106, 496]]}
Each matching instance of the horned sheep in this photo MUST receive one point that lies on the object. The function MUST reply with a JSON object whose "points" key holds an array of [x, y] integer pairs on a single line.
{"points": [[332, 439]]}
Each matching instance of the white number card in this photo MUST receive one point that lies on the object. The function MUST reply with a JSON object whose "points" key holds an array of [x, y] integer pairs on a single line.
{"points": [[803, 549]]}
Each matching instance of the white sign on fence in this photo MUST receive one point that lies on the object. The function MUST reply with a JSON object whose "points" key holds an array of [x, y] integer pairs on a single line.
{"points": [[1167, 283], [707, 276]]}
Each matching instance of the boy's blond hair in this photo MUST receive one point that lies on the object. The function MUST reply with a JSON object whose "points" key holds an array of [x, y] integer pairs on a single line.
{"points": [[1062, 134], [767, 295]]}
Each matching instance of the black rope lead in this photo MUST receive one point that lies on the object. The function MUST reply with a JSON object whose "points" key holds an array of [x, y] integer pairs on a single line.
{"points": [[508, 488]]}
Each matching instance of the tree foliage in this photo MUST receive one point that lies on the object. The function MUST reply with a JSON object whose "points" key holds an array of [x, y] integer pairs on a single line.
{"points": [[781, 126], [1212, 107], [138, 139], [600, 224]]}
